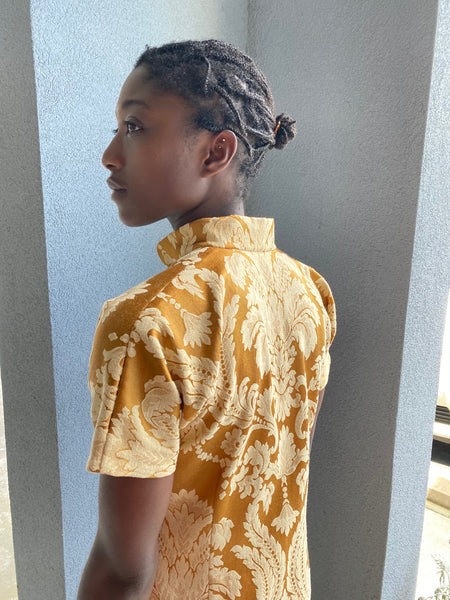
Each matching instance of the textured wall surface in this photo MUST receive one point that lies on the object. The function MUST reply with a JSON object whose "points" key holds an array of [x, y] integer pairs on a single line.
{"points": [[83, 52], [344, 193], [25, 341], [345, 196], [429, 288]]}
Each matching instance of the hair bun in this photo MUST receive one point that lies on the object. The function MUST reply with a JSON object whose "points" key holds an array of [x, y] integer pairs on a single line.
{"points": [[285, 131]]}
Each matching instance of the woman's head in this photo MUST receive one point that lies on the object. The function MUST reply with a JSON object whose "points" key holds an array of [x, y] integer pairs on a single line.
{"points": [[227, 90], [195, 120]]}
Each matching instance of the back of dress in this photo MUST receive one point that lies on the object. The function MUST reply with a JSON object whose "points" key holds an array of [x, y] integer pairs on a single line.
{"points": [[253, 360], [232, 349]]}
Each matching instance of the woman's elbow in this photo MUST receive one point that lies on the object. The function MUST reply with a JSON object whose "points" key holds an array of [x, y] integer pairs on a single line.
{"points": [[104, 578]]}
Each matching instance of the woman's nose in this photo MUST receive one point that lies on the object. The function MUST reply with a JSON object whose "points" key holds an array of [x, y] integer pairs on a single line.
{"points": [[112, 156]]}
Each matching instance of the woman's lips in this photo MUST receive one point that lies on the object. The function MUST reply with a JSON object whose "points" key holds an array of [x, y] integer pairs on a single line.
{"points": [[118, 191], [115, 185]]}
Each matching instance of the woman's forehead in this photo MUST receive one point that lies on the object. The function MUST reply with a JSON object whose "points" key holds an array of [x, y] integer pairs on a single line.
{"points": [[137, 83], [140, 91]]}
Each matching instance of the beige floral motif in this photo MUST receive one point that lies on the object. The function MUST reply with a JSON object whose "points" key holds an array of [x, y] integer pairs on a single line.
{"points": [[232, 443], [237, 233], [184, 539], [302, 481], [288, 456], [264, 557], [161, 409], [236, 408], [276, 320], [151, 320], [181, 241], [285, 520], [321, 369], [250, 477], [140, 453], [187, 241], [196, 377], [198, 329], [103, 398], [114, 361], [298, 575], [222, 533], [112, 305], [192, 279], [225, 583], [103, 390], [187, 280], [238, 266]]}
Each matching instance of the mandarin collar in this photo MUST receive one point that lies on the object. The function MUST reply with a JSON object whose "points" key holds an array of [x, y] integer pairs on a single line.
{"points": [[252, 234]]}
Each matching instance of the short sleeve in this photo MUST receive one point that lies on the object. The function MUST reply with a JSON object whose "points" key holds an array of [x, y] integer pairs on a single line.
{"points": [[136, 405], [329, 324]]}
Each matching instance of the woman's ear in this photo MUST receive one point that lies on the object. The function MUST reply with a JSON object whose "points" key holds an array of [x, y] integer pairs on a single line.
{"points": [[222, 149]]}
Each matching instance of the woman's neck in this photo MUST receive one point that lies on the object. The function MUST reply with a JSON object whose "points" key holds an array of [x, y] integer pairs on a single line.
{"points": [[207, 210]]}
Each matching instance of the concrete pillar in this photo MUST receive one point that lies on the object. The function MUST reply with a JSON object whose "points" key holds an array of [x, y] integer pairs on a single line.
{"points": [[345, 193], [25, 336]]}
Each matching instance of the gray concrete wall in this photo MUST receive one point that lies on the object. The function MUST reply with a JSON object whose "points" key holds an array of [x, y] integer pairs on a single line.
{"points": [[356, 76], [429, 288], [83, 52], [25, 338]]}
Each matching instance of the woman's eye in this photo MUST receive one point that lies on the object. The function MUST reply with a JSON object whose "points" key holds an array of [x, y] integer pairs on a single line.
{"points": [[132, 127]]}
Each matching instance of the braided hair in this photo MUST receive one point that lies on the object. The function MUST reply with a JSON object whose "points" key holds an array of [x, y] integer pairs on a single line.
{"points": [[227, 90]]}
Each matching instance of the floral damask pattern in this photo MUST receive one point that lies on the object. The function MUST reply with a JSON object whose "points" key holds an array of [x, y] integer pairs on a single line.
{"points": [[211, 370]]}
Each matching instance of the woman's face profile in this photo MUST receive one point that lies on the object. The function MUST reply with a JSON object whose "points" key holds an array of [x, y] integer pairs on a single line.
{"points": [[154, 158]]}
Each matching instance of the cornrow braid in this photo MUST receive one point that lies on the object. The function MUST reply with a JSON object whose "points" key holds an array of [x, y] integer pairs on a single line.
{"points": [[227, 90]]}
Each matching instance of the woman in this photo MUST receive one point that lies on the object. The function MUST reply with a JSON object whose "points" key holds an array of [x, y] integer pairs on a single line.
{"points": [[206, 379]]}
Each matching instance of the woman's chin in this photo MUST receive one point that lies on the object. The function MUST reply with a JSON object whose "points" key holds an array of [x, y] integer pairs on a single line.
{"points": [[132, 220]]}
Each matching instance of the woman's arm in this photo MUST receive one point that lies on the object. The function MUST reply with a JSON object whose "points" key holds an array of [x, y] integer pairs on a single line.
{"points": [[124, 558]]}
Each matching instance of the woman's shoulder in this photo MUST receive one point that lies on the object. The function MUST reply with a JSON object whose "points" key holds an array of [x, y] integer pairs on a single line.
{"points": [[120, 313]]}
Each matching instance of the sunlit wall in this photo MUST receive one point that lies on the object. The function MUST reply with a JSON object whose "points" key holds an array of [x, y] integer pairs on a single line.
{"points": [[83, 52]]}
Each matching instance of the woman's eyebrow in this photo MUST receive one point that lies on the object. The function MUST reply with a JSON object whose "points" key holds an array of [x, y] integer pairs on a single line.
{"points": [[132, 101]]}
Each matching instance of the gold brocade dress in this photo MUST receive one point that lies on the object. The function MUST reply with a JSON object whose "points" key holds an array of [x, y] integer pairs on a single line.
{"points": [[211, 370]]}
